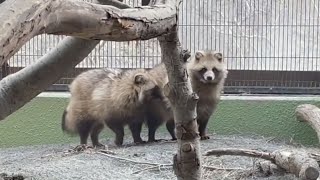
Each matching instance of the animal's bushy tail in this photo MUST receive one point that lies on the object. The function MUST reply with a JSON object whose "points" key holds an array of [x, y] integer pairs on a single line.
{"points": [[63, 123], [64, 126]]}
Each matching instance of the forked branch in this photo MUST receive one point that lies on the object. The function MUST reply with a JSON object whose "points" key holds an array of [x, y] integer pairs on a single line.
{"points": [[81, 19]]}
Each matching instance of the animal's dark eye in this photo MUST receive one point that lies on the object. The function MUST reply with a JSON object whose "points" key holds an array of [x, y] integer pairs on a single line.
{"points": [[215, 70], [203, 69]]}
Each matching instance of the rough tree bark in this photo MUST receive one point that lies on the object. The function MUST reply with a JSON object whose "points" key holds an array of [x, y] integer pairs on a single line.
{"points": [[299, 163], [96, 23], [310, 114], [187, 162], [105, 23], [19, 88]]}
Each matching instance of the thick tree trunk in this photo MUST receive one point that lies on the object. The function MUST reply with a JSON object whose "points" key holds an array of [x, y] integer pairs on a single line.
{"points": [[19, 88], [80, 19], [310, 114], [187, 162]]}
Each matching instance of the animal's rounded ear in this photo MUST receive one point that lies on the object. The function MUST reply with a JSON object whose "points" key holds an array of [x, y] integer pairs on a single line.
{"points": [[139, 79], [198, 55], [218, 56]]}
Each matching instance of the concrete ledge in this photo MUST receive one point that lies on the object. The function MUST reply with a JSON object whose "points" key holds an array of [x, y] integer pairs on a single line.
{"points": [[255, 97]]}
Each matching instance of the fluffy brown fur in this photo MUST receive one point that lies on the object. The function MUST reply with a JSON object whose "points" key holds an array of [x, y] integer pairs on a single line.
{"points": [[208, 73], [158, 111], [110, 97]]}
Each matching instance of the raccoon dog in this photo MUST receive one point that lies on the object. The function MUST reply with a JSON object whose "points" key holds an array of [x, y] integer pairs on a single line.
{"points": [[108, 97], [207, 74]]}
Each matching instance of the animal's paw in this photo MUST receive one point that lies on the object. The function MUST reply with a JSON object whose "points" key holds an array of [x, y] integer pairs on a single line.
{"points": [[118, 143], [140, 142], [156, 140], [81, 148], [173, 139], [99, 146], [205, 137]]}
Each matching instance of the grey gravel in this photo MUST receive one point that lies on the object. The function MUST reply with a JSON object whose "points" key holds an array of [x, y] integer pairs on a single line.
{"points": [[54, 161]]}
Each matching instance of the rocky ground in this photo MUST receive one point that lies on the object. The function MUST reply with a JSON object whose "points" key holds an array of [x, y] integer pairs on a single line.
{"points": [[144, 162]]}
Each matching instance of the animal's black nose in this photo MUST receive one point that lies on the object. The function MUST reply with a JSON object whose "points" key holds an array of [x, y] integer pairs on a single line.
{"points": [[209, 78]]}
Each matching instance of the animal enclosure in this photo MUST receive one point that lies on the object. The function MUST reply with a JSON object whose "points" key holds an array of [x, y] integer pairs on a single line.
{"points": [[265, 44], [269, 46]]}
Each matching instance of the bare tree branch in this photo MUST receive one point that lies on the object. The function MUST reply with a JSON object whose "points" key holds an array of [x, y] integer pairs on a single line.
{"points": [[299, 163], [310, 114], [81, 19], [240, 152], [187, 161], [19, 88]]}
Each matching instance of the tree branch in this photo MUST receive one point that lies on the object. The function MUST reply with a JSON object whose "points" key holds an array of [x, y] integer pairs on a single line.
{"points": [[19, 88], [187, 161], [310, 114], [240, 152], [81, 19], [299, 163]]}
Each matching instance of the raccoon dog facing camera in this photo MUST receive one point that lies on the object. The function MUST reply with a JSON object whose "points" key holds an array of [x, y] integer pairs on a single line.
{"points": [[207, 73]]}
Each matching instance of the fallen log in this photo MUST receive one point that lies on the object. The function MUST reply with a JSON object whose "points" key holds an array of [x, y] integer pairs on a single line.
{"points": [[268, 168], [299, 163], [310, 114]]}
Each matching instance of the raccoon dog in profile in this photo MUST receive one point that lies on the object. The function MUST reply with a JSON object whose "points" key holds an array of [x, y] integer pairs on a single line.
{"points": [[112, 97], [207, 73]]}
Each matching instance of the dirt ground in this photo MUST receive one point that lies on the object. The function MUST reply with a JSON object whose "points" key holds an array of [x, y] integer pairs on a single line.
{"points": [[55, 162]]}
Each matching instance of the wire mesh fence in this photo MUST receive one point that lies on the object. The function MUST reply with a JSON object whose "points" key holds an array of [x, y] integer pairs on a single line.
{"points": [[269, 46]]}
